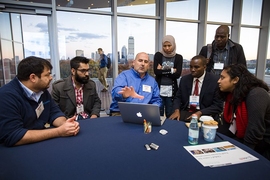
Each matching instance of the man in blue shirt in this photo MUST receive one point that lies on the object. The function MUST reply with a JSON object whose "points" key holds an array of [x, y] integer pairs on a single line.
{"points": [[103, 70], [135, 85], [26, 106]]}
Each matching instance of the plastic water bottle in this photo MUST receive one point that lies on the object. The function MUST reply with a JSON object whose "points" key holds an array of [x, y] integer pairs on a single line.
{"points": [[193, 131]]}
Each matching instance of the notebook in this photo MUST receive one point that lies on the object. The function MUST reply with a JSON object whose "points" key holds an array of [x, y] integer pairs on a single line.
{"points": [[137, 112]]}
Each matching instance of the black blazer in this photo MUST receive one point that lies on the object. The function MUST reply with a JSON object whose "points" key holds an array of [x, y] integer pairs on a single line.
{"points": [[210, 103]]}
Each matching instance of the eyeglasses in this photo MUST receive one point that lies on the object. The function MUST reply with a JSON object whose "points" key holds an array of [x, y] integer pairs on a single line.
{"points": [[84, 70]]}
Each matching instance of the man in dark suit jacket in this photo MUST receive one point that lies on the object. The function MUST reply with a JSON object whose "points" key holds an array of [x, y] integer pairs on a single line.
{"points": [[77, 94], [207, 102]]}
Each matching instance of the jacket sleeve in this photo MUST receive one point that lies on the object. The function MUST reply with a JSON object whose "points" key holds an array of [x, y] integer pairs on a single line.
{"points": [[258, 104]]}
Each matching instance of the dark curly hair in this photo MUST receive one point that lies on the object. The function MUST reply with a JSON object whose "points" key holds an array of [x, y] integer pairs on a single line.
{"points": [[246, 82]]}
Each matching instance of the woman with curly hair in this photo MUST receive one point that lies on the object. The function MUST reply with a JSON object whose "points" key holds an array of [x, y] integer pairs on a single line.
{"points": [[247, 108]]}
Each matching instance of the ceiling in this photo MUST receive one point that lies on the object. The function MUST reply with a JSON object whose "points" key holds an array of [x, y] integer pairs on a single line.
{"points": [[92, 4]]}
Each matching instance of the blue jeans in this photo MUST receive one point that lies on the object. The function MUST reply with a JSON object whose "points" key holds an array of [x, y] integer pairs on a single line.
{"points": [[167, 104]]}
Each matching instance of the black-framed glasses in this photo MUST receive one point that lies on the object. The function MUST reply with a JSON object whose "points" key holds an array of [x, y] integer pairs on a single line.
{"points": [[84, 70]]}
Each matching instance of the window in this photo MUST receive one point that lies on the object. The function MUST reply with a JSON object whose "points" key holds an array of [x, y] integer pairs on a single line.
{"points": [[183, 9], [134, 36], [249, 38], [220, 11], [251, 12], [83, 33], [267, 67]]}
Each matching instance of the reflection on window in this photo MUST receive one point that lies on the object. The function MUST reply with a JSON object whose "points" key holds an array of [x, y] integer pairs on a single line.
{"points": [[36, 36], [220, 11], [251, 12], [249, 38], [83, 34], [134, 36], [100, 5], [183, 9], [186, 41], [136, 7]]}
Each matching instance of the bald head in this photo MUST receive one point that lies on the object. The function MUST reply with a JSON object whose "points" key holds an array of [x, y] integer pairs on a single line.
{"points": [[222, 36]]}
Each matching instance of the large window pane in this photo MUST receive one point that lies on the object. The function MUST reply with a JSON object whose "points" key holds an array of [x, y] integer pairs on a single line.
{"points": [[183, 9], [249, 38], [186, 41], [251, 12], [100, 5], [134, 36], [83, 33], [35, 36], [267, 70], [137, 7], [16, 27], [220, 11]]}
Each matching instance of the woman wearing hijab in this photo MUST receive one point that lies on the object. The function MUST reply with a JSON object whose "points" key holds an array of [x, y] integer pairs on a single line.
{"points": [[247, 108], [167, 68]]}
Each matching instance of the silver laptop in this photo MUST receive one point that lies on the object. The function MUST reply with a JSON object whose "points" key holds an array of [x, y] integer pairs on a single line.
{"points": [[137, 112]]}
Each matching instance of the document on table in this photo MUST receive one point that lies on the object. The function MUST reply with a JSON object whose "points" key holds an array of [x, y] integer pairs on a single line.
{"points": [[219, 154]]}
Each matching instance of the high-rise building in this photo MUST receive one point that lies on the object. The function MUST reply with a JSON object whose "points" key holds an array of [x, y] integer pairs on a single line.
{"points": [[79, 53], [124, 52], [130, 47]]}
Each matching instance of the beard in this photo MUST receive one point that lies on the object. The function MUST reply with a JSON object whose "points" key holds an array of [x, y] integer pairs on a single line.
{"points": [[81, 80]]}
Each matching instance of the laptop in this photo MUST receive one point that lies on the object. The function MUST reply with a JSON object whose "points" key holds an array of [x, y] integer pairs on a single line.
{"points": [[137, 112]]}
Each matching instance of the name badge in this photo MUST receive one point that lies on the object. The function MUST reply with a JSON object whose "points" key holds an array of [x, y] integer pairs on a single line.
{"points": [[218, 66], [146, 88], [194, 100], [80, 109], [39, 109]]}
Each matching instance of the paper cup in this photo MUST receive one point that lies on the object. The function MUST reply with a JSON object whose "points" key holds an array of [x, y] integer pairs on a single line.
{"points": [[205, 118], [209, 133]]}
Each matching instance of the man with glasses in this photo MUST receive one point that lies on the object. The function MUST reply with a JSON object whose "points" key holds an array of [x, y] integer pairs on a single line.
{"points": [[26, 106], [77, 93], [135, 85]]}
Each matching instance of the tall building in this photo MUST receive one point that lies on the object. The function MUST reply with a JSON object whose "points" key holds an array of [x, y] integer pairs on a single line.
{"points": [[130, 47], [124, 52], [79, 53]]}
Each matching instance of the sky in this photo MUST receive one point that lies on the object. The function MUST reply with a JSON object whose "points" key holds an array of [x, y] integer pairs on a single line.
{"points": [[88, 32]]}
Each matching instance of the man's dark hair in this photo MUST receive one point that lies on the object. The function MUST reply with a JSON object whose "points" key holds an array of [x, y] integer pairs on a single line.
{"points": [[100, 49], [31, 65], [204, 61], [75, 62]]}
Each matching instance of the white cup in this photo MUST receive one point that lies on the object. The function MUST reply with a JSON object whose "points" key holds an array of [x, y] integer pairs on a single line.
{"points": [[205, 118], [209, 133]]}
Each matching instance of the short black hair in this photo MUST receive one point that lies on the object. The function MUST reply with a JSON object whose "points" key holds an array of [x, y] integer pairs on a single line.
{"points": [[75, 62], [204, 61], [31, 65]]}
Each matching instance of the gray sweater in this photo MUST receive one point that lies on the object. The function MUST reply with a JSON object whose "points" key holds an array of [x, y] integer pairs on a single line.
{"points": [[258, 108]]}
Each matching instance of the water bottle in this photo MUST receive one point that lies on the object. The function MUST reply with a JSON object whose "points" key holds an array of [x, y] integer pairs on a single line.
{"points": [[193, 131]]}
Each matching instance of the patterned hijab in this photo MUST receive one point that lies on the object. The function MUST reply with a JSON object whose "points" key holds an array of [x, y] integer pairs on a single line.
{"points": [[170, 39]]}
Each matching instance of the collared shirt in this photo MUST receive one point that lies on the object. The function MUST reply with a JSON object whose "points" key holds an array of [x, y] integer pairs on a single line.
{"points": [[132, 78], [79, 98], [31, 94], [199, 84], [221, 56]]}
